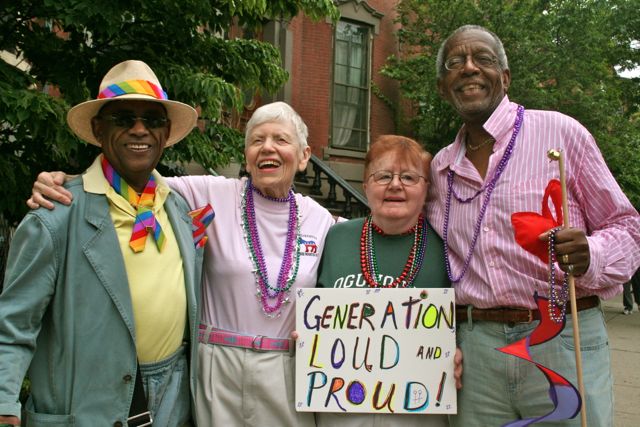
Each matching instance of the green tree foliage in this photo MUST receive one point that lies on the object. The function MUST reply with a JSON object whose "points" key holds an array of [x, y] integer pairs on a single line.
{"points": [[185, 42], [562, 55]]}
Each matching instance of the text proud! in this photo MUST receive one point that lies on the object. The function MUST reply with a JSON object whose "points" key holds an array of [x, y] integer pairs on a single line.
{"points": [[385, 351]]}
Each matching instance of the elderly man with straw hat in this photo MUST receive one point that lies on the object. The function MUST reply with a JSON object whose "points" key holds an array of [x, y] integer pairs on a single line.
{"points": [[99, 297]]}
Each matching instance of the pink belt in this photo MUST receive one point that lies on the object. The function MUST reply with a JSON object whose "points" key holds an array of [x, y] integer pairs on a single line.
{"points": [[233, 339]]}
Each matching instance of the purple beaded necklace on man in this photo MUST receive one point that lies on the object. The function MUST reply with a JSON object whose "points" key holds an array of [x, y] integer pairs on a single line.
{"points": [[558, 298], [489, 189]]}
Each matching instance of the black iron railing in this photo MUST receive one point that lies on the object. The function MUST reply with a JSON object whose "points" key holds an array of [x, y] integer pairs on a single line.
{"points": [[352, 205]]}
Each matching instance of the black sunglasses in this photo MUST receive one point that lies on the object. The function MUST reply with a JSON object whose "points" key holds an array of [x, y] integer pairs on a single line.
{"points": [[127, 121]]}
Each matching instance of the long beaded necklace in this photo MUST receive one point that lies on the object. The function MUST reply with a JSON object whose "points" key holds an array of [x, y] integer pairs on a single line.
{"points": [[557, 297], [489, 187], [290, 258], [369, 262]]}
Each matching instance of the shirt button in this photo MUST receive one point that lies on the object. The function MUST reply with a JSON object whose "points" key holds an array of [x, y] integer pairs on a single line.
{"points": [[492, 264], [117, 424], [127, 378], [486, 228]]}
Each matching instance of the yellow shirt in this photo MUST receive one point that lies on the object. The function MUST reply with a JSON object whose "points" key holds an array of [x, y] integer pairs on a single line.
{"points": [[156, 280]]}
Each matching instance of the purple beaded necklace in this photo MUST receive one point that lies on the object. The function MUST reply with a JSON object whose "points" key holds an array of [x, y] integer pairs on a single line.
{"points": [[290, 258], [489, 187], [557, 297]]}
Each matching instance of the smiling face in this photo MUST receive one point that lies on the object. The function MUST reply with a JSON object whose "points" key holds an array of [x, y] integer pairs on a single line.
{"points": [[273, 157], [395, 207], [474, 91], [136, 150]]}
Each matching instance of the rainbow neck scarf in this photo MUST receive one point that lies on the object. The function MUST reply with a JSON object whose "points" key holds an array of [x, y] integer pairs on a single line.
{"points": [[145, 221]]}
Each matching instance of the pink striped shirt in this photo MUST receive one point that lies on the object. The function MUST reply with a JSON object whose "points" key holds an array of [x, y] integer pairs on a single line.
{"points": [[501, 273]]}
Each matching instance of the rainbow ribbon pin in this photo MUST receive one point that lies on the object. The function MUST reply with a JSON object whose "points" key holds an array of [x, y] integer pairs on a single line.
{"points": [[201, 218]]}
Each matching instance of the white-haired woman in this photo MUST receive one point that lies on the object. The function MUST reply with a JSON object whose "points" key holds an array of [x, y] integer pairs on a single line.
{"points": [[264, 243]]}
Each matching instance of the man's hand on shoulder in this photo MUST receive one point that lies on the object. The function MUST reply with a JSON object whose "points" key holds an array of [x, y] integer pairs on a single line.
{"points": [[49, 186]]}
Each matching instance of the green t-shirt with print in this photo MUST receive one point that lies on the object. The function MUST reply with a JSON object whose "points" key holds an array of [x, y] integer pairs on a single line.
{"points": [[340, 264]]}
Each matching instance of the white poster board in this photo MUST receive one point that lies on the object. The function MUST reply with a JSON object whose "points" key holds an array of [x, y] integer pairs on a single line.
{"points": [[375, 350]]}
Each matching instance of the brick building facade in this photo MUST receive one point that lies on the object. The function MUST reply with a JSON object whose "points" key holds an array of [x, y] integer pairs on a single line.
{"points": [[333, 68]]}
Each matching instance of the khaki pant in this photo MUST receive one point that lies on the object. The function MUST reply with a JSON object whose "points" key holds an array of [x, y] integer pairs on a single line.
{"points": [[238, 387]]}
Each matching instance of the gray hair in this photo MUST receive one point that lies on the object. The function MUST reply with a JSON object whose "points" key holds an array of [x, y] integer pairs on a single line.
{"points": [[278, 112], [503, 63]]}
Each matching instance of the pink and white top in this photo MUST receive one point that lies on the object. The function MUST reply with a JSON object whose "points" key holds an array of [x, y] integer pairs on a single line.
{"points": [[501, 273], [229, 286]]}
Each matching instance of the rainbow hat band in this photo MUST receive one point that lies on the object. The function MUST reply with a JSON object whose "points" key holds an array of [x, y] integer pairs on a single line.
{"points": [[131, 81], [127, 87]]}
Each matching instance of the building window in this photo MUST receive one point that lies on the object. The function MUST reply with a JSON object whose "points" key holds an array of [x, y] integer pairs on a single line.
{"points": [[351, 83]]}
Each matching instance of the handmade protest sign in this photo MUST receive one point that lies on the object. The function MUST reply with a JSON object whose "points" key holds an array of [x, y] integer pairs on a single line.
{"points": [[375, 350]]}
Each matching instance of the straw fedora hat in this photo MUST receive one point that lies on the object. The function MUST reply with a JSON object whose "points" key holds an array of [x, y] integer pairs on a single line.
{"points": [[131, 80]]}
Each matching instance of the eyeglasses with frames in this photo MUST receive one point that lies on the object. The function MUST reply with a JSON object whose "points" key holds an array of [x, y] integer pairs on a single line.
{"points": [[482, 60], [127, 121], [407, 178]]}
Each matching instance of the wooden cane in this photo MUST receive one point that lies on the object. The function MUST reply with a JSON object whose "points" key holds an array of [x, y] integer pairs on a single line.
{"points": [[557, 155]]}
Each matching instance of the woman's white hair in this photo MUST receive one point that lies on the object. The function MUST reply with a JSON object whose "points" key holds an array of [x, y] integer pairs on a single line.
{"points": [[278, 112]]}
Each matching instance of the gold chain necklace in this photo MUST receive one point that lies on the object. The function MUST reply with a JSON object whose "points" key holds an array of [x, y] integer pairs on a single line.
{"points": [[476, 147]]}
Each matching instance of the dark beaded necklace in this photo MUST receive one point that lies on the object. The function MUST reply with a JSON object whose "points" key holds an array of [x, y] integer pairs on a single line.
{"points": [[557, 297], [369, 262], [273, 199], [382, 233], [489, 187]]}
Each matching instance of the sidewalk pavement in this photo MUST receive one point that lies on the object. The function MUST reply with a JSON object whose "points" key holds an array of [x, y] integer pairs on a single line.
{"points": [[624, 340]]}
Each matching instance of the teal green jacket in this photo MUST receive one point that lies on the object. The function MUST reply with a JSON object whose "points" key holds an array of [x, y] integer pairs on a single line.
{"points": [[66, 315]]}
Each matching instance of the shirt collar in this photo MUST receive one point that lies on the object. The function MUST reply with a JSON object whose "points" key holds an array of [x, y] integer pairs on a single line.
{"points": [[498, 125]]}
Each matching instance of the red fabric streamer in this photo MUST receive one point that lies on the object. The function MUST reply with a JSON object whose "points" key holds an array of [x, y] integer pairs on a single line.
{"points": [[565, 397], [529, 225]]}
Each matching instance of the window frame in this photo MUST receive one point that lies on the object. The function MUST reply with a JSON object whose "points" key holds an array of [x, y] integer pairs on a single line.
{"points": [[361, 121]]}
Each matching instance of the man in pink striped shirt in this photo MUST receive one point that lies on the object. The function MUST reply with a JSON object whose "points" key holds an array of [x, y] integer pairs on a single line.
{"points": [[497, 166]]}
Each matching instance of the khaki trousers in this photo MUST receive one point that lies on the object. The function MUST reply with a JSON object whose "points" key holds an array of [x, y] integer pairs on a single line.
{"points": [[238, 387]]}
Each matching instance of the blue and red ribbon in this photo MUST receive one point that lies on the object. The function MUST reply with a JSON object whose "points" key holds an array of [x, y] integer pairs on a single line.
{"points": [[527, 227], [565, 397]]}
